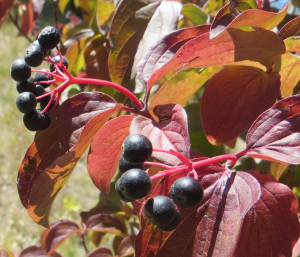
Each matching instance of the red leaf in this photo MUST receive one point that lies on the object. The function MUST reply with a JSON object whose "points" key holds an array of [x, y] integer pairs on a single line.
{"points": [[4, 9], [101, 252], [51, 158], [165, 49], [233, 99], [171, 132], [232, 47], [126, 246], [105, 151], [290, 29], [271, 227], [274, 135], [60, 232], [106, 223], [27, 19], [35, 251], [219, 226]]}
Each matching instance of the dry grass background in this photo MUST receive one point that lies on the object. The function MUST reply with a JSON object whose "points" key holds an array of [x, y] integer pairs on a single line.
{"points": [[17, 230]]}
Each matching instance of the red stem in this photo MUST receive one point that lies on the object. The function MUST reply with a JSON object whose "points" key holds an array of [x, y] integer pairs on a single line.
{"points": [[170, 172], [240, 154], [180, 156], [159, 165], [214, 160]]}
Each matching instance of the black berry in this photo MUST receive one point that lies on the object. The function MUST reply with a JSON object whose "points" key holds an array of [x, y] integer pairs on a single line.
{"points": [[49, 38], [35, 120], [57, 60], [20, 71], [26, 102], [26, 86], [125, 165], [34, 56], [39, 91], [36, 42], [135, 184], [173, 224], [42, 77], [119, 192], [160, 210], [137, 148], [186, 192]]}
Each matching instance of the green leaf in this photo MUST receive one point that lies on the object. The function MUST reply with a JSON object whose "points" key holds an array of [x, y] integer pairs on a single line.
{"points": [[292, 44], [88, 10], [181, 86], [62, 5], [105, 12], [213, 6], [195, 14], [128, 26]]}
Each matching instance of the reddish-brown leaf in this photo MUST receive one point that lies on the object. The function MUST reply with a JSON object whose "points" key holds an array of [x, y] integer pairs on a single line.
{"points": [[220, 225], [232, 47], [165, 49], [6, 253], [171, 132], [271, 227], [106, 223], [50, 159], [105, 151], [233, 99], [126, 247], [96, 56], [101, 252], [28, 21], [274, 135], [60, 232], [249, 18], [128, 26], [4, 9], [35, 251], [292, 28]]}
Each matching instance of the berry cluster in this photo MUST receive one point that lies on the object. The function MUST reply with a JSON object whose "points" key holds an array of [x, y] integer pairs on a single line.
{"points": [[31, 90], [135, 183]]}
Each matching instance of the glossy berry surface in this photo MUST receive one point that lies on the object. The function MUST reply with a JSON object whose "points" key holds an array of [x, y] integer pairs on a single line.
{"points": [[119, 192], [36, 42], [34, 55], [186, 192], [173, 224], [57, 60], [135, 184], [160, 210], [26, 86], [35, 120], [26, 102], [20, 71], [40, 77], [137, 148], [39, 91], [125, 165], [49, 38]]}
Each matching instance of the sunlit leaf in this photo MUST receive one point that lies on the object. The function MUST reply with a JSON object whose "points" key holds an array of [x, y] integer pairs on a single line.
{"points": [[6, 253], [51, 158], [274, 135], [71, 29], [35, 251], [126, 247], [59, 233], [288, 66], [88, 9], [105, 151], [4, 9], [292, 44], [195, 14], [171, 132], [243, 5], [62, 4], [211, 7], [128, 26], [232, 47], [182, 86], [27, 22], [290, 29], [165, 49], [38, 6], [277, 169], [105, 11], [233, 99], [163, 21]]}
